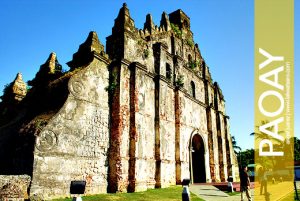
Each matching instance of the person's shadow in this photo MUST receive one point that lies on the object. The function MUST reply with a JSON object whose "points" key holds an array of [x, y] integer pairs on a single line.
{"points": [[267, 196]]}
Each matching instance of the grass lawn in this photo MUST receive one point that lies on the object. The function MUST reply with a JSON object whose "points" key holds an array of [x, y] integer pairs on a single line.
{"points": [[163, 194], [233, 193]]}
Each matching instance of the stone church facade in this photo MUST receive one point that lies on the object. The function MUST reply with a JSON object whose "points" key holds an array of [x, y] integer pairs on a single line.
{"points": [[143, 114]]}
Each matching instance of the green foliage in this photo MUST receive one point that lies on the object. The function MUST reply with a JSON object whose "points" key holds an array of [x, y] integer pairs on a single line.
{"points": [[194, 64], [113, 84], [7, 87], [163, 194], [236, 148], [111, 87], [271, 162], [179, 81], [190, 42], [176, 30], [246, 157], [233, 193], [296, 149], [28, 88], [262, 135], [146, 53]]}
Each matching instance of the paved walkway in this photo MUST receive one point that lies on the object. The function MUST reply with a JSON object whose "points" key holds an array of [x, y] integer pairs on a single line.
{"points": [[276, 191], [211, 193]]}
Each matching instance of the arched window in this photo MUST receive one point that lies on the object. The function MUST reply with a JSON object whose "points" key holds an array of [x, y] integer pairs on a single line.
{"points": [[203, 66], [193, 92], [185, 24], [190, 58], [168, 71]]}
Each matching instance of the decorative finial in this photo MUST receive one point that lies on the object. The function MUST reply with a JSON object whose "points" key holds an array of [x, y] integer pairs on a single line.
{"points": [[85, 53], [164, 22], [52, 57], [149, 24], [19, 76]]}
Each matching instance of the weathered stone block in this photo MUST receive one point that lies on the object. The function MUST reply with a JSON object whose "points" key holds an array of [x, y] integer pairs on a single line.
{"points": [[14, 187]]}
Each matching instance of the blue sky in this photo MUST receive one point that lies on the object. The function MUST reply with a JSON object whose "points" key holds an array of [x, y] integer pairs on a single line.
{"points": [[224, 30]]}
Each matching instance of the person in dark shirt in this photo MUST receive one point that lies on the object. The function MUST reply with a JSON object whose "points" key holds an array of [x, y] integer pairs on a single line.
{"points": [[262, 175], [245, 183]]}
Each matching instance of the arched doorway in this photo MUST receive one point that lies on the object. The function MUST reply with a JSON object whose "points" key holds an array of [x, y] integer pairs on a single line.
{"points": [[197, 161]]}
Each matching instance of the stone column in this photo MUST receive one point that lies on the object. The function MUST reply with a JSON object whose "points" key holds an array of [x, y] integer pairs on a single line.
{"points": [[157, 136], [114, 157], [177, 137], [220, 146], [209, 131], [228, 148], [210, 145], [157, 57], [224, 141], [207, 163], [132, 131]]}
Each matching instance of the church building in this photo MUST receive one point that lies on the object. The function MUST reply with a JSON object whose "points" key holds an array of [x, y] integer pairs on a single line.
{"points": [[142, 113]]}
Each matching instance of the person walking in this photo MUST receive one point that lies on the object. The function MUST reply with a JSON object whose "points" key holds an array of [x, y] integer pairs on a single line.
{"points": [[245, 184], [263, 180]]}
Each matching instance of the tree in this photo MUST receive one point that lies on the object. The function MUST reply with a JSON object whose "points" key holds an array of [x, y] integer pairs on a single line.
{"points": [[247, 157], [284, 146], [244, 157], [261, 135], [236, 148], [296, 149]]}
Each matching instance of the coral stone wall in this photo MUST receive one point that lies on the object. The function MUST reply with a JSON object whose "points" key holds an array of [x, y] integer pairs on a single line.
{"points": [[124, 125], [74, 144], [145, 131], [167, 134], [193, 121], [129, 121]]}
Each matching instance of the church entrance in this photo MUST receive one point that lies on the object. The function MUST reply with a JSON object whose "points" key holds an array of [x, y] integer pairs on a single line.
{"points": [[198, 174]]}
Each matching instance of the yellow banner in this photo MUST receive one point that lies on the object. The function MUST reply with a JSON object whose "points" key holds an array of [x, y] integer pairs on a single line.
{"points": [[274, 101]]}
